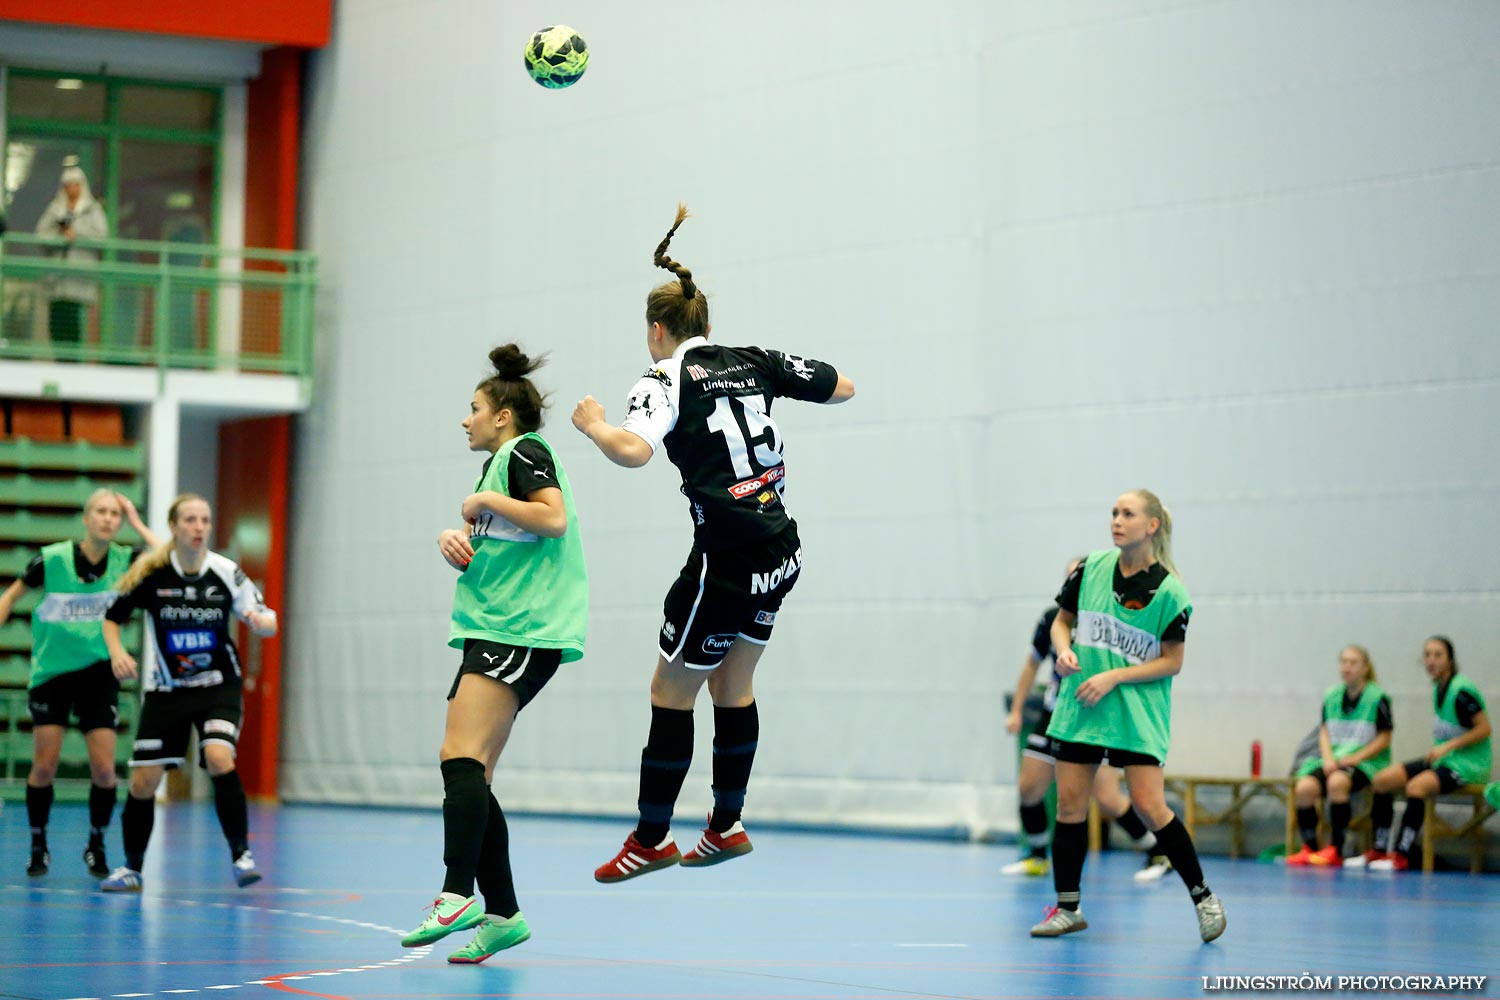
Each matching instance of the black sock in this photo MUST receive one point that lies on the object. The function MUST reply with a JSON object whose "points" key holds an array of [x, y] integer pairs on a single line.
{"points": [[664, 765], [1382, 814], [1338, 819], [493, 872], [101, 809], [234, 814], [1034, 825], [38, 811], [466, 812], [1307, 826], [1132, 825], [1411, 825], [736, 733], [1070, 845], [1175, 843], [136, 820]]}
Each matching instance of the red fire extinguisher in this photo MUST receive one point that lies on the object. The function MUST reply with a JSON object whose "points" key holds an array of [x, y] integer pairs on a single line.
{"points": [[1255, 759]]}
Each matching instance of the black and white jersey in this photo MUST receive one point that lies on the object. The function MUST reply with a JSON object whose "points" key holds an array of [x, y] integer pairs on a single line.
{"points": [[1040, 651], [711, 406], [191, 619]]}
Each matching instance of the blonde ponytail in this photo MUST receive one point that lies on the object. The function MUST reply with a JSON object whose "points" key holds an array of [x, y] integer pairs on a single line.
{"points": [[1161, 542]]}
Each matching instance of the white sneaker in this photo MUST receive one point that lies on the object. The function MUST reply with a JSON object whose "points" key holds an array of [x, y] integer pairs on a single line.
{"points": [[1156, 866], [1059, 922], [245, 872], [1032, 866], [122, 879], [1211, 922]]}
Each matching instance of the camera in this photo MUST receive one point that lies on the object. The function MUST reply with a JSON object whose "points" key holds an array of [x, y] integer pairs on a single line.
{"points": [[65, 223]]}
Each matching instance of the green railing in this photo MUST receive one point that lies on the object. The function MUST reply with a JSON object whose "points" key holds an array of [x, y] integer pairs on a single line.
{"points": [[169, 305]]}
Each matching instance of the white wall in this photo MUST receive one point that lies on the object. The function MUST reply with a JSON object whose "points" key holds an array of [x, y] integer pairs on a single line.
{"points": [[1239, 252]]}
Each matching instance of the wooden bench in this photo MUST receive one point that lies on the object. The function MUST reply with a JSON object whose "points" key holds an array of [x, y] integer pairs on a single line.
{"points": [[1241, 792], [1435, 828]]}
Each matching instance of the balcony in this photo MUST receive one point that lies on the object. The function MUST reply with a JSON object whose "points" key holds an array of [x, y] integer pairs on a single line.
{"points": [[161, 305]]}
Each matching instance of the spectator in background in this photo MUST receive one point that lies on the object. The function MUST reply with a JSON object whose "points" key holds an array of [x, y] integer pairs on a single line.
{"points": [[73, 214], [1354, 742], [1460, 752]]}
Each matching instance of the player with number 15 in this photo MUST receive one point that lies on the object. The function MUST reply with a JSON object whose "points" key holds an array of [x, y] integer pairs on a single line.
{"points": [[710, 407]]}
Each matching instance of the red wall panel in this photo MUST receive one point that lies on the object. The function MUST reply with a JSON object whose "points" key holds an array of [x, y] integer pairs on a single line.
{"points": [[303, 23], [250, 523]]}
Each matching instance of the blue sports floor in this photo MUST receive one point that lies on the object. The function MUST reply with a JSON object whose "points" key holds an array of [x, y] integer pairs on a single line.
{"points": [[811, 916]]}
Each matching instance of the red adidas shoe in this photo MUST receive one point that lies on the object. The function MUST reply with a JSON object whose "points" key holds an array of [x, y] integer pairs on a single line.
{"points": [[634, 860], [712, 848], [1393, 862], [1302, 857]]}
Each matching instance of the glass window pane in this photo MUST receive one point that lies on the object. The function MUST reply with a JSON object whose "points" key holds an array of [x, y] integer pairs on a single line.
{"points": [[168, 107], [166, 191], [33, 175], [58, 99]]}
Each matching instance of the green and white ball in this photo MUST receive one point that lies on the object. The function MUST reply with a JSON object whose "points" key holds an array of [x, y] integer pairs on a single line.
{"points": [[556, 57]]}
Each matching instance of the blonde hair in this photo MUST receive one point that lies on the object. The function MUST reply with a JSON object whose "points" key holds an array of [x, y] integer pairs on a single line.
{"points": [[157, 557], [102, 493], [1364, 654], [677, 305], [1161, 542]]}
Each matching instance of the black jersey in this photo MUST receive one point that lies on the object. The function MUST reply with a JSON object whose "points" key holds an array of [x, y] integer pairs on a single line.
{"points": [[35, 574], [190, 620], [531, 468], [1133, 592], [1041, 651], [711, 407]]}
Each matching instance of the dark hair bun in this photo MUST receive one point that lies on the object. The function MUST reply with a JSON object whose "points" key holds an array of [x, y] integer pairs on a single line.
{"points": [[511, 363]]}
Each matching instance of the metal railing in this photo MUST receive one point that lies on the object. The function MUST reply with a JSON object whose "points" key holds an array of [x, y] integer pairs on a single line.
{"points": [[168, 305]]}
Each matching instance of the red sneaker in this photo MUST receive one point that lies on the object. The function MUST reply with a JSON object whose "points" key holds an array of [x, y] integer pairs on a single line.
{"points": [[1361, 860], [712, 848], [1302, 857], [634, 860], [1393, 862], [1328, 857]]}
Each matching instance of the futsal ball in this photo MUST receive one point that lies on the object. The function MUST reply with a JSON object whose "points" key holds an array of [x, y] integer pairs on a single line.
{"points": [[556, 57]]}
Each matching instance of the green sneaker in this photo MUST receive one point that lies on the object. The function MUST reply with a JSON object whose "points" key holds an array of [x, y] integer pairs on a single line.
{"points": [[446, 917], [493, 936], [1492, 794]]}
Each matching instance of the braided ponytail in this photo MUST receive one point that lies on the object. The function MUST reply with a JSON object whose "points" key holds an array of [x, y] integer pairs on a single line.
{"points": [[677, 305]]}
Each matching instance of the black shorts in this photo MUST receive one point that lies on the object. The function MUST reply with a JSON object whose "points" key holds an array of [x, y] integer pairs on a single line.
{"points": [[524, 670], [1087, 753], [1447, 779], [1039, 745], [720, 597], [168, 717], [92, 694], [1357, 779]]}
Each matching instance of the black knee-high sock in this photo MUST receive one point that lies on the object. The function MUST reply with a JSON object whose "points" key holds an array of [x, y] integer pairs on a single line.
{"points": [[1070, 845], [736, 733], [1132, 825], [664, 764], [1175, 843], [38, 811], [1034, 825], [1382, 813], [101, 810], [1307, 826], [1411, 825], [136, 821], [1338, 820], [466, 811], [234, 814], [493, 873]]}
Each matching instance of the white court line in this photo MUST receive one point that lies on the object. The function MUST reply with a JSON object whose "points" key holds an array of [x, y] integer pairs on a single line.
{"points": [[919, 944]]}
